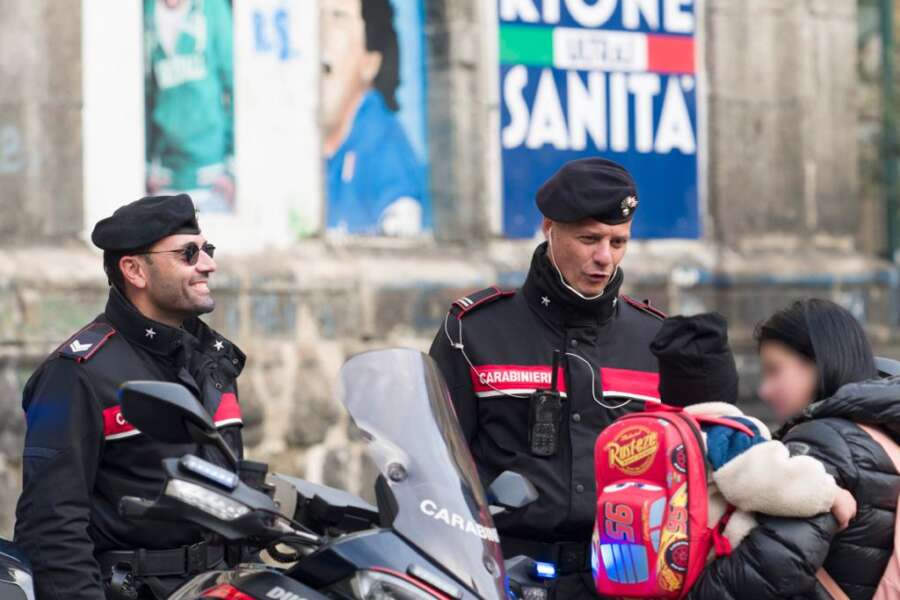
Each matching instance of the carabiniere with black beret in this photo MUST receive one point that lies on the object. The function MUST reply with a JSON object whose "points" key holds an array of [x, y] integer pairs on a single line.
{"points": [[81, 456]]}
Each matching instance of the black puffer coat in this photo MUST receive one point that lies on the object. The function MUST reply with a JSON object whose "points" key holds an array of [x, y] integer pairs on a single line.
{"points": [[780, 557]]}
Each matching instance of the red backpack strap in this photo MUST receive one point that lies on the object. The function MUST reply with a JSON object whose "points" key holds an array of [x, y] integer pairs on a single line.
{"points": [[720, 542], [645, 306], [725, 422]]}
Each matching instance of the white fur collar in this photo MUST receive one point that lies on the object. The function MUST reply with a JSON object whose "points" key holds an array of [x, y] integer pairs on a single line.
{"points": [[715, 409]]}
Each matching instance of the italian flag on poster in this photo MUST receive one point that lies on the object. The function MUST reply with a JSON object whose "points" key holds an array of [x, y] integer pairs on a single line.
{"points": [[614, 78]]}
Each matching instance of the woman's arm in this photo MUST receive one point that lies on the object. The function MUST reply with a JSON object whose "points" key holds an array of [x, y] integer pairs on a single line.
{"points": [[778, 559], [820, 440]]}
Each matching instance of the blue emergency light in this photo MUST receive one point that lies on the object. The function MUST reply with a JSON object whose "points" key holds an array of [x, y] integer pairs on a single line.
{"points": [[544, 570], [210, 472]]}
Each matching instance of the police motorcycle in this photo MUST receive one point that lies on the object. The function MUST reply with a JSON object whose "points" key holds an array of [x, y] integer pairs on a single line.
{"points": [[431, 535], [15, 573]]}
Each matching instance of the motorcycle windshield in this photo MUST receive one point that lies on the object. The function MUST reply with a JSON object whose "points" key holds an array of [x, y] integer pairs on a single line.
{"points": [[430, 490]]}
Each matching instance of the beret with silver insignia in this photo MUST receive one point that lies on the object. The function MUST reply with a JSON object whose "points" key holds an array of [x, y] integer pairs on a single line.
{"points": [[589, 187], [628, 205]]}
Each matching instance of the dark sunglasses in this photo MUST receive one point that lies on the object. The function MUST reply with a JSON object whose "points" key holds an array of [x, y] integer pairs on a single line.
{"points": [[190, 252]]}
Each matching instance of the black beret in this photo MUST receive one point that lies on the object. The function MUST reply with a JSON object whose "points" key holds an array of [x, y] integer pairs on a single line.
{"points": [[146, 221], [695, 361], [589, 187]]}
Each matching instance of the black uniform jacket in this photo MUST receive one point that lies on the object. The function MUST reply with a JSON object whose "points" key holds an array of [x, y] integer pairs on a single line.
{"points": [[496, 348], [81, 457]]}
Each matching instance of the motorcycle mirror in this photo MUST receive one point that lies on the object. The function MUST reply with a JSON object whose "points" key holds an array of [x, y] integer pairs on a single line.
{"points": [[162, 410], [511, 490], [168, 412], [887, 367]]}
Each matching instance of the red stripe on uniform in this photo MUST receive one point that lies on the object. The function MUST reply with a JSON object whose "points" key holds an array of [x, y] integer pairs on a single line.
{"points": [[229, 409], [670, 54], [626, 381], [487, 378], [114, 423]]}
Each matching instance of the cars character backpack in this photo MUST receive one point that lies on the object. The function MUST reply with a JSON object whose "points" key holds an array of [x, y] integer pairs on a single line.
{"points": [[651, 535]]}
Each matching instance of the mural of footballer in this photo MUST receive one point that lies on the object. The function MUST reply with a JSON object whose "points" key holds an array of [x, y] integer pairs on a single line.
{"points": [[375, 182], [189, 100]]}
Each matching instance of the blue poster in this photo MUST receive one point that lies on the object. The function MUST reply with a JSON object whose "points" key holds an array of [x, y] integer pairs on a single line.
{"points": [[374, 117], [610, 78]]}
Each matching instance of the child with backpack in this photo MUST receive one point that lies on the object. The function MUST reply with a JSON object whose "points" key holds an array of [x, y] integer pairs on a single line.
{"points": [[677, 484]]}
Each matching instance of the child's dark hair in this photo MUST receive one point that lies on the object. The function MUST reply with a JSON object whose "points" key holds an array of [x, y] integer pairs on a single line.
{"points": [[826, 334]]}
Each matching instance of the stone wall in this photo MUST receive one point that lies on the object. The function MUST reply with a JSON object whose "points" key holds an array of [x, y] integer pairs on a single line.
{"points": [[40, 121], [782, 119]]}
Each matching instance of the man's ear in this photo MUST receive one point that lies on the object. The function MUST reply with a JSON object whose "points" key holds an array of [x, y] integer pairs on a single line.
{"points": [[371, 64], [134, 270], [546, 224]]}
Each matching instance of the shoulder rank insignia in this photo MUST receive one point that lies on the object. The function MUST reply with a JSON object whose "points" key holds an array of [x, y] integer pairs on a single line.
{"points": [[84, 344], [645, 307], [466, 304]]}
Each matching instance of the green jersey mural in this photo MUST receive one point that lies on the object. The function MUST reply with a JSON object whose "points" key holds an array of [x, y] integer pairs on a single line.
{"points": [[189, 100]]}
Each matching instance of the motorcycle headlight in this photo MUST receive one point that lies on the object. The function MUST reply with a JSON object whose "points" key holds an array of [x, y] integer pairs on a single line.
{"points": [[380, 585], [209, 501]]}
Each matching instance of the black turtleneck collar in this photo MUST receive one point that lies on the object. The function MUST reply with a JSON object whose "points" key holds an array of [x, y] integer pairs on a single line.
{"points": [[547, 295], [156, 337], [196, 352]]}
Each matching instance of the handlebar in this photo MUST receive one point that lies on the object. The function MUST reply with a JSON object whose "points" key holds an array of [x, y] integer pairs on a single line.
{"points": [[132, 507]]}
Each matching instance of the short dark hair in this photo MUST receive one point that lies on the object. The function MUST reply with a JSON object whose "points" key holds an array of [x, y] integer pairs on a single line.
{"points": [[381, 36], [114, 276], [827, 334]]}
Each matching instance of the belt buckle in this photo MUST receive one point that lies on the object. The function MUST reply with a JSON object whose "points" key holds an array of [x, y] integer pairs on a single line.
{"points": [[195, 558], [121, 583]]}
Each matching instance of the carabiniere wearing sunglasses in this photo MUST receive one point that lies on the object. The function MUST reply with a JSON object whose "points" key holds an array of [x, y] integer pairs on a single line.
{"points": [[81, 456], [190, 252]]}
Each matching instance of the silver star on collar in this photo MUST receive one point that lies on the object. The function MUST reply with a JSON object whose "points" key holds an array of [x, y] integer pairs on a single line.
{"points": [[150, 333], [218, 345], [545, 300]]}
